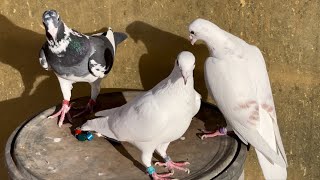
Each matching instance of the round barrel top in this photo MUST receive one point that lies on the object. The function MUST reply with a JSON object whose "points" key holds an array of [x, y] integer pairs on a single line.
{"points": [[39, 149]]}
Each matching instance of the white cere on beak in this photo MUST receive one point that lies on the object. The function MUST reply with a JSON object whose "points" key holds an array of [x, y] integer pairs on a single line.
{"points": [[46, 16], [52, 29], [192, 39]]}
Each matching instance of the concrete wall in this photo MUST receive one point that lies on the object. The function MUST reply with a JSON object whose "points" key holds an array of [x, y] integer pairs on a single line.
{"points": [[287, 32]]}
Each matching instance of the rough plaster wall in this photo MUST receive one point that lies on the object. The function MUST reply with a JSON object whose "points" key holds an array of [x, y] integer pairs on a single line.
{"points": [[287, 32]]}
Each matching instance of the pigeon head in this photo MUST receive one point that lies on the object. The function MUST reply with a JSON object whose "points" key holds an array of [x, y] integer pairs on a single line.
{"points": [[186, 64], [51, 21], [200, 29]]}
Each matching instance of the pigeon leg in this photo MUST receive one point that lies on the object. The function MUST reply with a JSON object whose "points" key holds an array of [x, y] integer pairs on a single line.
{"points": [[88, 108], [95, 90], [62, 112], [66, 87], [220, 132], [152, 172], [146, 160], [169, 164]]}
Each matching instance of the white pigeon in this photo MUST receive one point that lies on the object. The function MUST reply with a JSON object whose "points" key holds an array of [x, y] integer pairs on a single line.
{"points": [[237, 78], [157, 117]]}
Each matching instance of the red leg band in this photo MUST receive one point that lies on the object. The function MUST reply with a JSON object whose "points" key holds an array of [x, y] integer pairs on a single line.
{"points": [[66, 102]]}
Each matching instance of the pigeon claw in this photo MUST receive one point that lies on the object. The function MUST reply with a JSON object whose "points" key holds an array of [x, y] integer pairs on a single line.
{"points": [[62, 112], [170, 165], [164, 176], [209, 134]]}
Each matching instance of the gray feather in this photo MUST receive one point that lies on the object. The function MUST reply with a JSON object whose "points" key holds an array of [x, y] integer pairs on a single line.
{"points": [[119, 37]]}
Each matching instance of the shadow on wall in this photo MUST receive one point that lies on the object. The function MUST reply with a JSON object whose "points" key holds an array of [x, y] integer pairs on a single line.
{"points": [[163, 48], [19, 49]]}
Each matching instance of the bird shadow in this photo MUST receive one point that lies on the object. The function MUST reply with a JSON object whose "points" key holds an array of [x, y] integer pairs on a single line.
{"points": [[19, 50], [162, 50], [123, 151]]}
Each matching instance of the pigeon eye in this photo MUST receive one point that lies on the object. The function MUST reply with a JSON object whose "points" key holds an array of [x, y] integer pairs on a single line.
{"points": [[192, 32], [178, 63]]}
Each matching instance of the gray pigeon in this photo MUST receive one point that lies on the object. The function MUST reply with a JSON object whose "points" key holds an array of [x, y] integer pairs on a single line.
{"points": [[157, 117], [237, 78], [76, 57]]}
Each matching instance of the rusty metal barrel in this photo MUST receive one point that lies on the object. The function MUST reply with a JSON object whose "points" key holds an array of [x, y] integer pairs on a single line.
{"points": [[38, 149]]}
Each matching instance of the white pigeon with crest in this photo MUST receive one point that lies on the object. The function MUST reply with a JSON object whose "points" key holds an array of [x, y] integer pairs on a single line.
{"points": [[157, 117], [237, 78], [76, 57]]}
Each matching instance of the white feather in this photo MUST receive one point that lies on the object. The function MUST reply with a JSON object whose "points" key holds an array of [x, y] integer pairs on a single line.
{"points": [[237, 78], [110, 36], [87, 78], [97, 69]]}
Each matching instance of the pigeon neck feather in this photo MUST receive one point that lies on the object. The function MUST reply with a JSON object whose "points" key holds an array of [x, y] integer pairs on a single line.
{"points": [[176, 77], [60, 45], [220, 43]]}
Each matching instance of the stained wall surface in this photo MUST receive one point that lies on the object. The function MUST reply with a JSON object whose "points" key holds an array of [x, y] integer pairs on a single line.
{"points": [[286, 31]]}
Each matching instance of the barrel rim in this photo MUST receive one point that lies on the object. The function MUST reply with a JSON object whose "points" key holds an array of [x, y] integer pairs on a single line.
{"points": [[15, 173]]}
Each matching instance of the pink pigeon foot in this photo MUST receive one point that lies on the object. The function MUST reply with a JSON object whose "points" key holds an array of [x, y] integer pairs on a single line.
{"points": [[152, 172], [62, 112], [169, 164], [220, 132], [88, 108], [164, 176]]}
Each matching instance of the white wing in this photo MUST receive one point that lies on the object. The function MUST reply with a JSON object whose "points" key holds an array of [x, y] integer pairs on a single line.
{"points": [[242, 91], [197, 102], [139, 120]]}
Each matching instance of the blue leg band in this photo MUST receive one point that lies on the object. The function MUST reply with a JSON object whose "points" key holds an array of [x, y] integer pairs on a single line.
{"points": [[89, 136], [151, 170]]}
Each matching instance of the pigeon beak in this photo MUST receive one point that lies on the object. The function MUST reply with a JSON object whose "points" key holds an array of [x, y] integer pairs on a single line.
{"points": [[185, 77], [192, 39], [52, 30]]}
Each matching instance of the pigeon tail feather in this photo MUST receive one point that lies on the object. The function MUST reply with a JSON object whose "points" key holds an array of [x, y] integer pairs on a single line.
{"points": [[99, 125], [271, 170]]}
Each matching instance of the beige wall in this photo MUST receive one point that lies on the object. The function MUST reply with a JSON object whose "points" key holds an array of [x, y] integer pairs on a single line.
{"points": [[286, 31]]}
